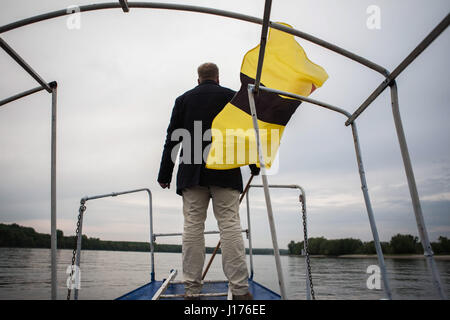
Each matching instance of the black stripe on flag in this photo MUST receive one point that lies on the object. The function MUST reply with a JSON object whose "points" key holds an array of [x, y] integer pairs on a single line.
{"points": [[270, 107]]}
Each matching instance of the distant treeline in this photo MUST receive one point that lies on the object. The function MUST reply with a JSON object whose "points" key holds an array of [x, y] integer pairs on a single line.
{"points": [[14, 235], [399, 244]]}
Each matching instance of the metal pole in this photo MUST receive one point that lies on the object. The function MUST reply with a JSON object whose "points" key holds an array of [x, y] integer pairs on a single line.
{"points": [[303, 197], [114, 194], [267, 194], [362, 177], [421, 47], [262, 45], [165, 285], [250, 246], [124, 5], [21, 95], [223, 13], [24, 65], [383, 85], [373, 226], [152, 247], [402, 66], [53, 191], [53, 236], [306, 99], [180, 233], [428, 252]]}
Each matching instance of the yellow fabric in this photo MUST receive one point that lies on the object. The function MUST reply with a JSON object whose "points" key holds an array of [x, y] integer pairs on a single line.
{"points": [[234, 140], [286, 66]]}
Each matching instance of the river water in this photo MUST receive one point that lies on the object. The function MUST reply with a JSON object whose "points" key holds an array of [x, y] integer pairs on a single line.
{"points": [[25, 274]]}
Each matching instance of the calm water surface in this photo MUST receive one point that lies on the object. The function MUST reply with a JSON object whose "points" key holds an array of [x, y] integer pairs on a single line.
{"points": [[25, 274]]}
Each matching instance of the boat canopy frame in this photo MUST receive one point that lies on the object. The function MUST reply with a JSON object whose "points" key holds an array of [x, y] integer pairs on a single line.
{"points": [[389, 81]]}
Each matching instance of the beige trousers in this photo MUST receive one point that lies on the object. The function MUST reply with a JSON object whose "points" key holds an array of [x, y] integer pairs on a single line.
{"points": [[225, 203]]}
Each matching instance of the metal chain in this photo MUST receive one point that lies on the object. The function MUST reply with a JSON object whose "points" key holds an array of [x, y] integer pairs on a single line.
{"points": [[80, 212], [308, 262]]}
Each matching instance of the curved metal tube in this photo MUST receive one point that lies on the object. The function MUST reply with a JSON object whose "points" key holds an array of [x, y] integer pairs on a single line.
{"points": [[428, 251], [114, 194], [390, 77], [373, 226], [273, 232], [305, 99], [21, 95], [303, 194], [198, 9], [13, 54], [362, 176]]}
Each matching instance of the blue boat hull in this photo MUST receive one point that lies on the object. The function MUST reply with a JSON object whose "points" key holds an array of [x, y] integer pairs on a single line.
{"points": [[147, 291]]}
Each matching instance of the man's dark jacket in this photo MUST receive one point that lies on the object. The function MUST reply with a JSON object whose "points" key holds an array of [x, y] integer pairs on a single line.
{"points": [[202, 103]]}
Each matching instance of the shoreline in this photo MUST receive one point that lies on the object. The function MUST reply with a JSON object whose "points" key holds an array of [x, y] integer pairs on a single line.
{"points": [[393, 256], [443, 257]]}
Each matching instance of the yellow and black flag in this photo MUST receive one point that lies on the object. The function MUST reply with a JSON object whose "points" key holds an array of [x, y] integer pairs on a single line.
{"points": [[287, 68]]}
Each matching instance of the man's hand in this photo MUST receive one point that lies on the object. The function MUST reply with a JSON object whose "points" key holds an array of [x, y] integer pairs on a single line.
{"points": [[164, 185]]}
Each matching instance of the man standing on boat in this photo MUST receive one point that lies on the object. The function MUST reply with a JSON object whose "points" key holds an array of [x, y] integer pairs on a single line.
{"points": [[191, 119]]}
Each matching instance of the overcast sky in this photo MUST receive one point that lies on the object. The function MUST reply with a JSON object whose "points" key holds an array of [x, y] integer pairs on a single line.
{"points": [[119, 74]]}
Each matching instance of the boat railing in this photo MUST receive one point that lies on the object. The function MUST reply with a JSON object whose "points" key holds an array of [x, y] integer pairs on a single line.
{"points": [[79, 232], [302, 200], [153, 236]]}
